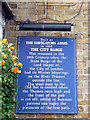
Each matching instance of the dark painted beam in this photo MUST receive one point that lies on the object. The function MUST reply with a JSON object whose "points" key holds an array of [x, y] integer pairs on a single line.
{"points": [[6, 12]]}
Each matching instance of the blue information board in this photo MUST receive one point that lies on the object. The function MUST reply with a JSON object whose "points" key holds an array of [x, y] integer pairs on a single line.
{"points": [[48, 78]]}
